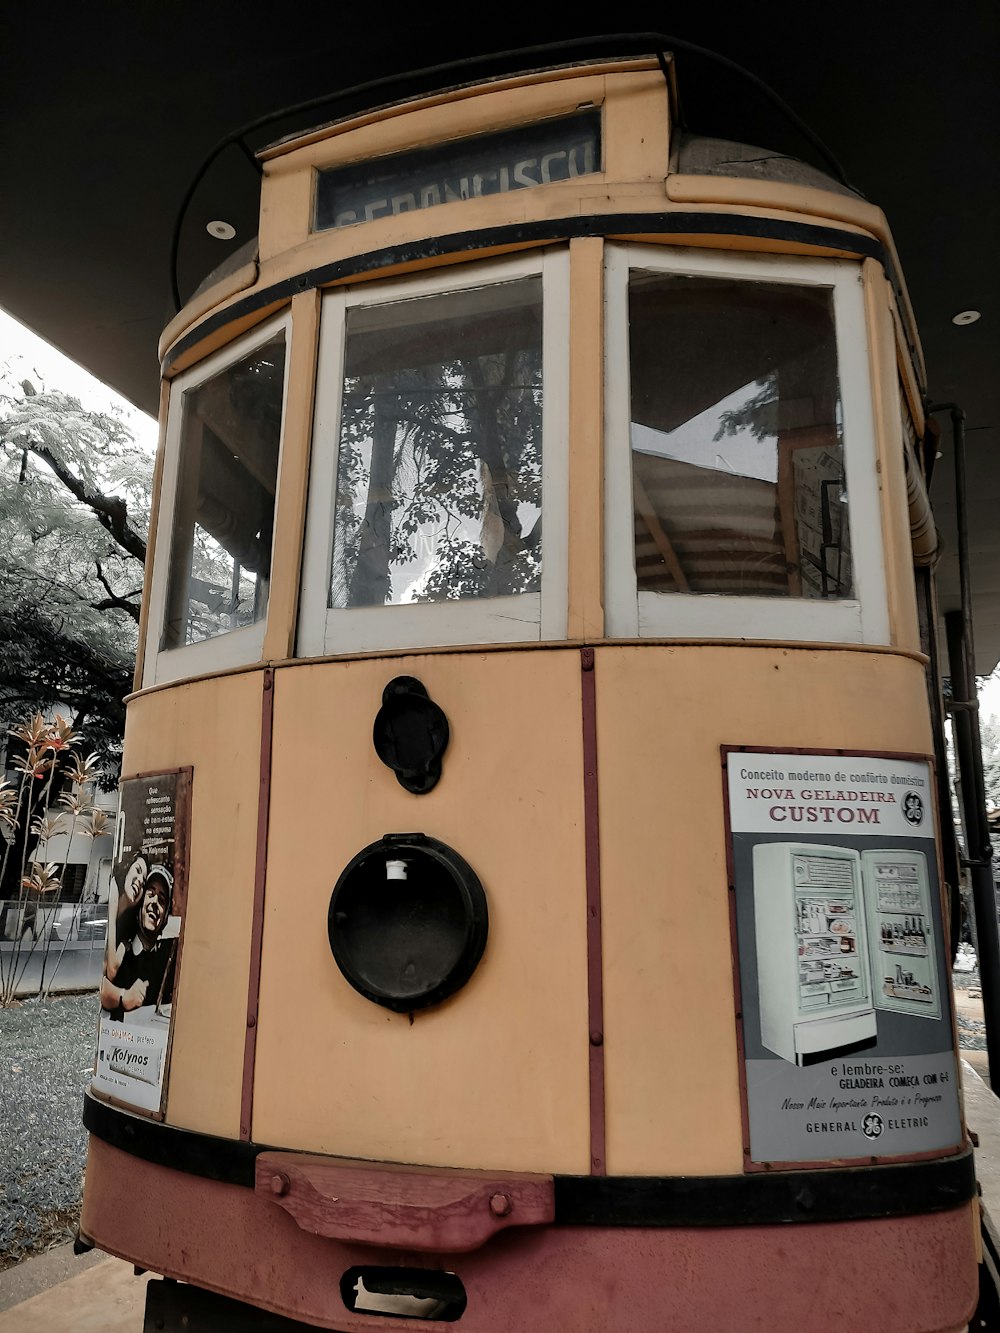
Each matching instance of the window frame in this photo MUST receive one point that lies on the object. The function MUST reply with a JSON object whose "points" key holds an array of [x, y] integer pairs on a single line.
{"points": [[519, 618], [634, 613], [234, 648]]}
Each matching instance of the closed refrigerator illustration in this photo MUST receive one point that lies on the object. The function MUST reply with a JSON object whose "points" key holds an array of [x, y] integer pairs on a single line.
{"points": [[901, 932], [813, 977]]}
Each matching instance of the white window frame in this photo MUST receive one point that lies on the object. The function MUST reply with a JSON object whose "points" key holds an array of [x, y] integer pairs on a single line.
{"points": [[631, 613], [238, 647], [519, 618]]}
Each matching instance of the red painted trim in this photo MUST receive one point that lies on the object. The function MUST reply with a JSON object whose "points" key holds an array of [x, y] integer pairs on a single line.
{"points": [[595, 962], [895, 1275], [260, 877], [407, 1207]]}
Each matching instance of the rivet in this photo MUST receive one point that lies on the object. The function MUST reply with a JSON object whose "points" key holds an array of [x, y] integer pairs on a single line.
{"points": [[500, 1205], [252, 1021], [597, 1039], [279, 1183]]}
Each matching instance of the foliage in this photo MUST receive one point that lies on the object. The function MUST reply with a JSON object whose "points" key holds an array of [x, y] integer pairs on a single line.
{"points": [[990, 735], [757, 414], [52, 798], [440, 470], [74, 510]]}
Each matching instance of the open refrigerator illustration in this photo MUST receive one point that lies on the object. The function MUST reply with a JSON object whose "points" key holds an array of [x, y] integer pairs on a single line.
{"points": [[840, 934], [812, 957], [901, 932]]}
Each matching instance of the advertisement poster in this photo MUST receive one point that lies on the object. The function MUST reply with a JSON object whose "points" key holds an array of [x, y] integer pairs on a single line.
{"points": [[145, 916], [841, 945]]}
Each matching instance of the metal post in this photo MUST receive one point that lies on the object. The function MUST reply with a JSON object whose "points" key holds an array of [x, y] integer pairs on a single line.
{"points": [[968, 748]]}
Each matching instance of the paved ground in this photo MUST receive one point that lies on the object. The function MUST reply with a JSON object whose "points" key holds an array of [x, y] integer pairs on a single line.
{"points": [[969, 1006], [60, 1292]]}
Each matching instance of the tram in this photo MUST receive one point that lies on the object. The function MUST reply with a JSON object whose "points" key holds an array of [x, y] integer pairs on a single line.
{"points": [[523, 927]]}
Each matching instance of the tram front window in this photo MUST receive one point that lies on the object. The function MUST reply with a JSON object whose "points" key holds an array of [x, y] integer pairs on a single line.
{"points": [[439, 473], [220, 549], [736, 429]]}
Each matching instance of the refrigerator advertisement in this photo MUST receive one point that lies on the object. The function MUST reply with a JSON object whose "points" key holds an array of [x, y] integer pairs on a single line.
{"points": [[145, 917], [841, 948]]}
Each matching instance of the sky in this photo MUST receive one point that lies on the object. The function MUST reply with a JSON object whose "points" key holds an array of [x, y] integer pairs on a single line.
{"points": [[23, 355]]}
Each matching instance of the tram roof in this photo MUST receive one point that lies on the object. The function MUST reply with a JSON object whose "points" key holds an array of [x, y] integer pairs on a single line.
{"points": [[110, 109]]}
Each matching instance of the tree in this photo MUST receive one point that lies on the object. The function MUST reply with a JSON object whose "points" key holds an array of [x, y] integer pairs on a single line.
{"points": [[74, 512], [439, 476], [51, 799], [990, 735]]}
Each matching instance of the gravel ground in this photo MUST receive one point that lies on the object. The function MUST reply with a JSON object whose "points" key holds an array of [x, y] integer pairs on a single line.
{"points": [[46, 1055]]}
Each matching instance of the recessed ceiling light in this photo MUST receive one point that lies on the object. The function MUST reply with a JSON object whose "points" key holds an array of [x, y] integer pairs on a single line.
{"points": [[966, 317], [225, 231]]}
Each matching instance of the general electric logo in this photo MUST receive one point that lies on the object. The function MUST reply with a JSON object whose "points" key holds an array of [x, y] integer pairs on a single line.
{"points": [[913, 808], [872, 1126]]}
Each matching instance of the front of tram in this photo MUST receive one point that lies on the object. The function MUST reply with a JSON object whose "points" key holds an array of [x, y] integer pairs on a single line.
{"points": [[532, 732]]}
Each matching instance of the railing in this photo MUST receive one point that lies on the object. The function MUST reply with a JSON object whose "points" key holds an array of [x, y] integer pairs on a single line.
{"points": [[46, 949]]}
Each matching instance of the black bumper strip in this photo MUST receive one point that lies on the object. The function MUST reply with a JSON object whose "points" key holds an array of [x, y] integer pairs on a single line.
{"points": [[548, 229], [833, 1194], [229, 1160]]}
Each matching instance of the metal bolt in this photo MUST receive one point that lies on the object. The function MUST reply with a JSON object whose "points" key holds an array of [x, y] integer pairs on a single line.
{"points": [[597, 1038], [501, 1205], [279, 1183]]}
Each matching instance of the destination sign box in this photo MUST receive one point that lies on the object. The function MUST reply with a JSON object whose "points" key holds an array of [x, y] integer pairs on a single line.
{"points": [[517, 159]]}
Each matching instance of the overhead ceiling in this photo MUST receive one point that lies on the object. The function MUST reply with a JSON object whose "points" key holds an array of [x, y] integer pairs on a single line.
{"points": [[109, 110]]}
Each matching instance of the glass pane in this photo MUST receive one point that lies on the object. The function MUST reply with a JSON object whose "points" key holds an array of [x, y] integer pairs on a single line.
{"points": [[737, 453], [439, 487], [220, 551]]}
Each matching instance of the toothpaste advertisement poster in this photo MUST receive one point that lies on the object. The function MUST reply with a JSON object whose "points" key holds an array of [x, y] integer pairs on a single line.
{"points": [[145, 922]]}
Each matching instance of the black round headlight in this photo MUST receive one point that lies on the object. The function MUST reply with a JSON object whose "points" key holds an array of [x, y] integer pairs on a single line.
{"points": [[408, 922]]}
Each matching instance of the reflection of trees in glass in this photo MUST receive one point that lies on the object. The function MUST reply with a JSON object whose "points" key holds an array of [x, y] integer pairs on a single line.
{"points": [[224, 514], [439, 475], [754, 365], [757, 414], [821, 539]]}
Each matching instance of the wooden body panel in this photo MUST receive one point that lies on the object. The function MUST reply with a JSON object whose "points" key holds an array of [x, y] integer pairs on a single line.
{"points": [[214, 727], [673, 1097], [495, 1077]]}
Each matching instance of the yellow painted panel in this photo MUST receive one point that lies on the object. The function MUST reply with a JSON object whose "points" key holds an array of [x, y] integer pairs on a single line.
{"points": [[586, 421], [588, 195], [544, 78], [672, 1073], [213, 726], [903, 622], [154, 516], [497, 1076], [293, 481], [636, 128]]}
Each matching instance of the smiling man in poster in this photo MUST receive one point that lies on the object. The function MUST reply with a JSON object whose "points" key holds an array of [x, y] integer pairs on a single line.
{"points": [[137, 966]]}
